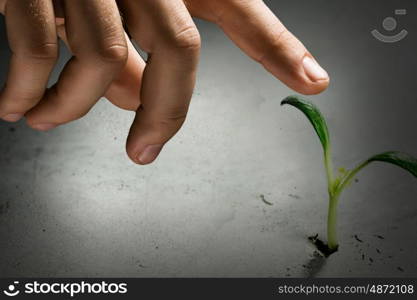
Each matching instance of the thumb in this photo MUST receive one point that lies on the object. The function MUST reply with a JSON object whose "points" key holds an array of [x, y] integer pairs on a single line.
{"points": [[150, 132]]}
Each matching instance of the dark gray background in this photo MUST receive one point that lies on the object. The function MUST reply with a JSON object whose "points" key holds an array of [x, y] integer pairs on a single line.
{"points": [[72, 204]]}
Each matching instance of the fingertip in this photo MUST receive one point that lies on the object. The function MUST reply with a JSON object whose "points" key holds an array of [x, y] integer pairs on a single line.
{"points": [[313, 88], [310, 79], [12, 118], [42, 126], [149, 154], [313, 70], [143, 155]]}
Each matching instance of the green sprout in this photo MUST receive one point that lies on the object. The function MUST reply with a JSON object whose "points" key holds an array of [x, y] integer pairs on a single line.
{"points": [[336, 184]]}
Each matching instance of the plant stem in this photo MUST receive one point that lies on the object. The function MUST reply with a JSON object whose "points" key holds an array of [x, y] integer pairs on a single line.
{"points": [[329, 169], [333, 202], [332, 223], [334, 194]]}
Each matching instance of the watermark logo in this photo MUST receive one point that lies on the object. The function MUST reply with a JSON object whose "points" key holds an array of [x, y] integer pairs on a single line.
{"points": [[390, 24], [12, 290], [71, 289]]}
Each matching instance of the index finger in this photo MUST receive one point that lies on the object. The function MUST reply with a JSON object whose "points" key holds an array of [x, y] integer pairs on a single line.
{"points": [[255, 29]]}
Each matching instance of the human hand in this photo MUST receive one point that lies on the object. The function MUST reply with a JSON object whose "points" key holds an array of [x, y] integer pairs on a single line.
{"points": [[165, 30]]}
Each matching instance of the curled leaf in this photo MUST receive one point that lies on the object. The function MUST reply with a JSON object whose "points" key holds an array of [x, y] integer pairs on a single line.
{"points": [[314, 115], [400, 159]]}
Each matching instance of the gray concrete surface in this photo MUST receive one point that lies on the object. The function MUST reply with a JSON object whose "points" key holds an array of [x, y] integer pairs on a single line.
{"points": [[72, 204]]}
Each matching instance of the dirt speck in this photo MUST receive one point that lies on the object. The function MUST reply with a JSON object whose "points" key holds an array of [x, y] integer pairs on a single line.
{"points": [[140, 265], [4, 207], [400, 269], [262, 196], [294, 196], [357, 238]]}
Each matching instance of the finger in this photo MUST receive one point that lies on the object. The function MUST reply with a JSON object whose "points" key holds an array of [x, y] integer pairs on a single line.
{"points": [[2, 6], [259, 33], [124, 91], [166, 31], [33, 43], [96, 38]]}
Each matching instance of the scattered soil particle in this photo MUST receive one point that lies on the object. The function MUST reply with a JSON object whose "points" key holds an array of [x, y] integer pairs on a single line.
{"points": [[12, 129], [356, 180], [378, 251], [363, 256], [371, 260], [380, 237], [4, 207], [264, 200], [357, 238], [400, 269], [294, 196], [321, 246]]}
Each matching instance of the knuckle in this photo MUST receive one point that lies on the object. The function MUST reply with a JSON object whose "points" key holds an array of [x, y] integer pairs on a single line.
{"points": [[276, 44], [171, 123], [165, 122], [47, 51], [23, 100], [116, 53], [187, 39]]}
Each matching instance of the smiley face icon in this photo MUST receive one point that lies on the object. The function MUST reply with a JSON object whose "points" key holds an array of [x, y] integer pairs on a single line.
{"points": [[12, 290], [390, 24]]}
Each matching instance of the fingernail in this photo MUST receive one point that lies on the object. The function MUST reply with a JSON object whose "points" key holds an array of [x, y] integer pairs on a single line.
{"points": [[44, 127], [313, 70], [12, 117], [149, 154]]}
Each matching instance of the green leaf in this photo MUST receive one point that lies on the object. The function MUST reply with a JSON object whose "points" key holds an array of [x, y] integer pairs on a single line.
{"points": [[400, 159], [319, 123], [314, 115]]}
